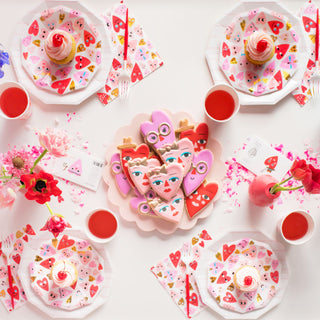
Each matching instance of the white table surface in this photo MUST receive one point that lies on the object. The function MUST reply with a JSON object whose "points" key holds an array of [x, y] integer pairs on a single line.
{"points": [[180, 30]]}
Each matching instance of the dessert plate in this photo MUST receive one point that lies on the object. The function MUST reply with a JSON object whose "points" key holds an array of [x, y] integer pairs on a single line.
{"points": [[122, 204], [258, 85], [66, 78], [62, 303], [227, 300], [75, 81]]}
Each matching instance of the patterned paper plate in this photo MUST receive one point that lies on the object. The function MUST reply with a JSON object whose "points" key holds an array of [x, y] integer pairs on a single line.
{"points": [[258, 85], [71, 83], [53, 301], [122, 204], [220, 301]]}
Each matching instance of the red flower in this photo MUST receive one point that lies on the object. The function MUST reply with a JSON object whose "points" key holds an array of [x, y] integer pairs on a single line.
{"points": [[299, 169], [55, 224], [40, 187], [311, 181]]}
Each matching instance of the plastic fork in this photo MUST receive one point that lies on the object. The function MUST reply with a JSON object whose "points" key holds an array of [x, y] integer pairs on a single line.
{"points": [[315, 79], [124, 78], [186, 258], [7, 246]]}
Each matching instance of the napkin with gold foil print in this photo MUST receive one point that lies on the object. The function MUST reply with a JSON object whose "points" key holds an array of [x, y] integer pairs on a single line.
{"points": [[142, 58], [20, 240], [170, 272], [309, 18]]}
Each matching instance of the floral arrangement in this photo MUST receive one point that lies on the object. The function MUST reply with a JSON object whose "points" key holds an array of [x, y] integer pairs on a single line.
{"points": [[18, 173], [301, 171]]}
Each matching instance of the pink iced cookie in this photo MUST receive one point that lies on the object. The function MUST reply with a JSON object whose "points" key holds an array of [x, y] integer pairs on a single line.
{"points": [[169, 210], [121, 179], [180, 152], [140, 203], [159, 132], [201, 166], [138, 169], [166, 180]]}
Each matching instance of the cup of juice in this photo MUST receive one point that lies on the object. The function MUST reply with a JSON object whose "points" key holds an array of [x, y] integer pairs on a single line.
{"points": [[14, 101], [101, 225], [297, 227], [221, 103]]}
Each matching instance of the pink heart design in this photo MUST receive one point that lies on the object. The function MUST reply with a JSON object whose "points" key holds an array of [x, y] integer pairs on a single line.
{"points": [[57, 303], [92, 264], [81, 77], [138, 169], [169, 210], [93, 290], [269, 70], [240, 76], [289, 62], [34, 59], [225, 64], [26, 41], [201, 165], [261, 254], [223, 278], [99, 279], [242, 303], [275, 264], [180, 152], [229, 298], [166, 180]]}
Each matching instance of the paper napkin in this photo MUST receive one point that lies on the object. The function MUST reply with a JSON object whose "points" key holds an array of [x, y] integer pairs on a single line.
{"points": [[260, 158], [170, 272], [309, 17], [143, 58], [20, 239]]}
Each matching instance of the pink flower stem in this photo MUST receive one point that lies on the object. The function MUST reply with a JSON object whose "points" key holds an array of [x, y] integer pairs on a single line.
{"points": [[38, 160], [49, 208]]}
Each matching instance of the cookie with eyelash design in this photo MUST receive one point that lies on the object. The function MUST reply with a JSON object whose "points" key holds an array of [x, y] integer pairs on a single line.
{"points": [[166, 180], [138, 169], [180, 152], [169, 210]]}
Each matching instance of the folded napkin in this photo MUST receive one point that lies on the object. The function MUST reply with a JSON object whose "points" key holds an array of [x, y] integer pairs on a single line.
{"points": [[20, 239], [142, 57], [309, 18], [170, 272]]}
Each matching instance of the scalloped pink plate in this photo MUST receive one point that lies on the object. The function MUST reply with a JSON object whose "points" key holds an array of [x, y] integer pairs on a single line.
{"points": [[122, 203]]}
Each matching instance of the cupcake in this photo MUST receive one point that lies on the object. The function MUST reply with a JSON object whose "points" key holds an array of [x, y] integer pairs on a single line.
{"points": [[247, 278], [64, 274], [60, 46], [259, 47]]}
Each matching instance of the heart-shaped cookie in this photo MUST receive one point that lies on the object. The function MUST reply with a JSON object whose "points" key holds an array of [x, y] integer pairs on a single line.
{"points": [[201, 166], [140, 203], [180, 152], [138, 169], [166, 180], [169, 210], [130, 153], [121, 180], [159, 132], [200, 198]]}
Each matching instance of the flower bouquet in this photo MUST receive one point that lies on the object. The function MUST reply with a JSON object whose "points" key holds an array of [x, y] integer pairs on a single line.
{"points": [[18, 172]]}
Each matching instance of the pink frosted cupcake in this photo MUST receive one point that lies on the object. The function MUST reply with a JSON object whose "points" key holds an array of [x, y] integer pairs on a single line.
{"points": [[259, 47], [64, 274], [247, 278], [60, 46]]}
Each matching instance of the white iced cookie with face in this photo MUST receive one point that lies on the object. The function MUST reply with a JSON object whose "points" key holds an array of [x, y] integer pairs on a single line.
{"points": [[180, 152]]}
